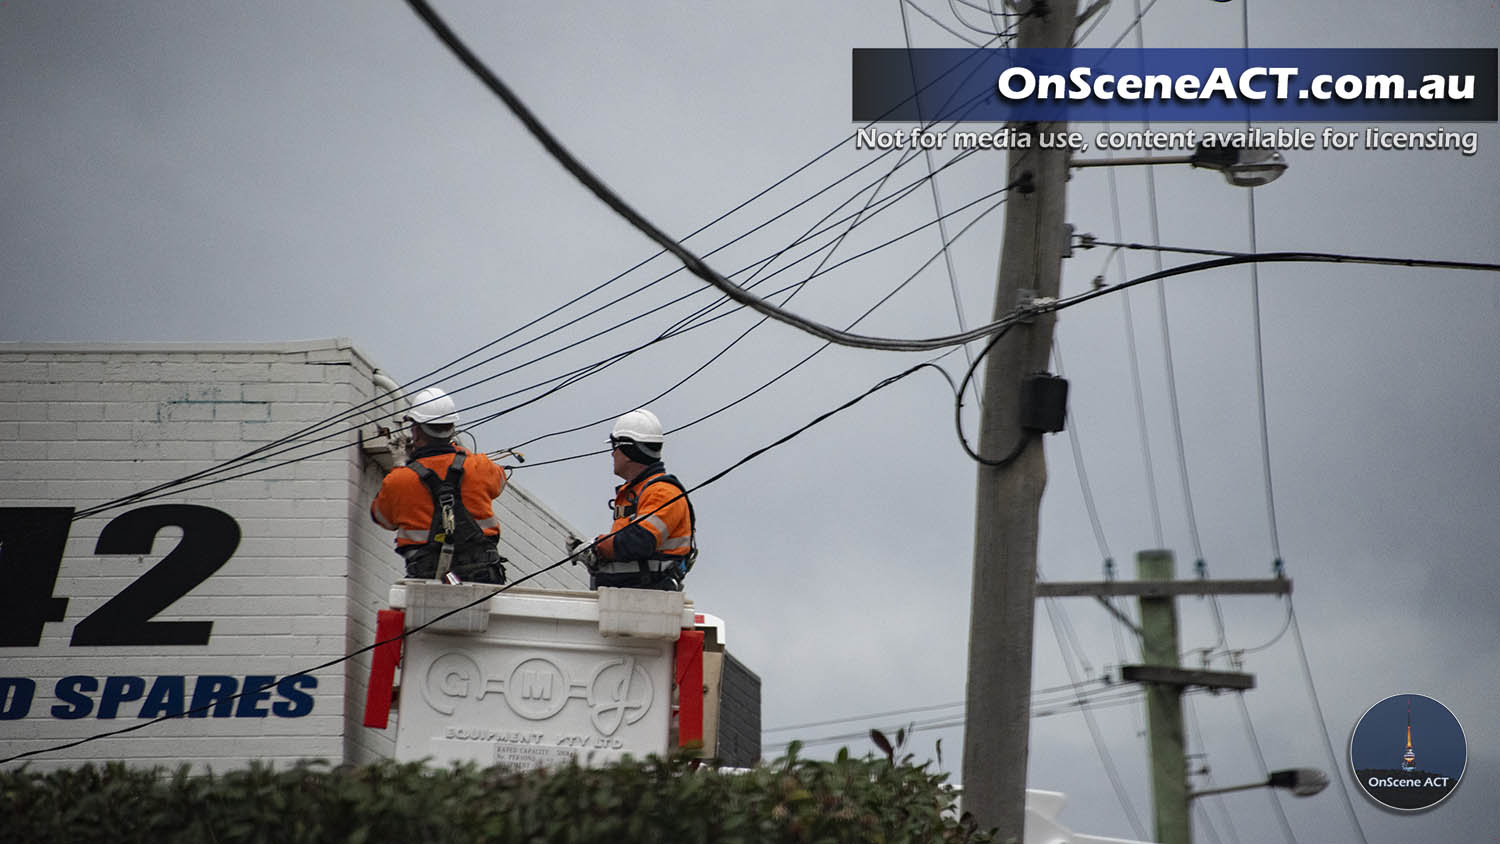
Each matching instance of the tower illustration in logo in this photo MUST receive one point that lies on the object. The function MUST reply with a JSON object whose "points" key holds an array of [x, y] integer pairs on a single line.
{"points": [[1393, 780], [1409, 759]]}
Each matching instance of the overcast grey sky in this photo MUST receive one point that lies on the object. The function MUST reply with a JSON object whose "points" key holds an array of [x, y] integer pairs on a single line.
{"points": [[277, 171]]}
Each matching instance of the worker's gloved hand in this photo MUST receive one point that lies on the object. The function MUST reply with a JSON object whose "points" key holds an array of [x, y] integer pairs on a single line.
{"points": [[583, 554]]}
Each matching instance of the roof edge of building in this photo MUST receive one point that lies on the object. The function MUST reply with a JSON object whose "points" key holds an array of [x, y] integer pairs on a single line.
{"points": [[147, 347]]}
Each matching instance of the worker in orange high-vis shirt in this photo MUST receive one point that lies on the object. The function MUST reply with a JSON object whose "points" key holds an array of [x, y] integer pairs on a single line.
{"points": [[651, 544], [440, 503]]}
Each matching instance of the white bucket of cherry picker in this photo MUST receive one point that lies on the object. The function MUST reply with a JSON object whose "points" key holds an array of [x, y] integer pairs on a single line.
{"points": [[531, 678]]}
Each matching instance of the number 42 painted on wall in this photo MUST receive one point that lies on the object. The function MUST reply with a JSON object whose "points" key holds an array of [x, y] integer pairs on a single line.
{"points": [[32, 542]]}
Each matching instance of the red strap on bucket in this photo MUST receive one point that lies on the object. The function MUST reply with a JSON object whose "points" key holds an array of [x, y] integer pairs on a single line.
{"points": [[388, 626], [689, 673]]}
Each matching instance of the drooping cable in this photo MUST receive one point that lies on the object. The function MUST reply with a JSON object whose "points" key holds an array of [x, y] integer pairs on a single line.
{"points": [[390, 397], [693, 263], [567, 378], [789, 370]]}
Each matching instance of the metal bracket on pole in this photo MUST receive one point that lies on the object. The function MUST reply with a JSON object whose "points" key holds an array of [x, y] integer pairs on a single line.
{"points": [[1183, 677], [1114, 611], [1163, 588], [1025, 298]]}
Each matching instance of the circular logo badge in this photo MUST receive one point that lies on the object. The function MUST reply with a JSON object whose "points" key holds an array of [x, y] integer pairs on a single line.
{"points": [[1408, 752]]}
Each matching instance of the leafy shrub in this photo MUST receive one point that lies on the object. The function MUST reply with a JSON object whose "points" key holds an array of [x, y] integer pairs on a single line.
{"points": [[790, 800]]}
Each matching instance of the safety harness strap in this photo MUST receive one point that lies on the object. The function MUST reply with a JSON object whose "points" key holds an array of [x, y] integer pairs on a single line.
{"points": [[445, 497], [684, 560]]}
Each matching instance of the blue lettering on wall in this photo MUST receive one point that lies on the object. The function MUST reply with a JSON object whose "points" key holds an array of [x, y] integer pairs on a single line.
{"points": [[15, 697], [129, 696], [74, 702]]}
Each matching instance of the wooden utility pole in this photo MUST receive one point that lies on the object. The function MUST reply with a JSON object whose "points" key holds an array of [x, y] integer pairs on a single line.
{"points": [[1008, 498], [1169, 785], [1163, 678]]}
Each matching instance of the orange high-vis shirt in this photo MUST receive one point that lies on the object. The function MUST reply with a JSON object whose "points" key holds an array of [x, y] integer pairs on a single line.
{"points": [[405, 506], [670, 524]]}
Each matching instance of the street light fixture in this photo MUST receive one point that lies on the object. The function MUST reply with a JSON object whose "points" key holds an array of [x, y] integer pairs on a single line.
{"points": [[1242, 167], [1302, 782]]}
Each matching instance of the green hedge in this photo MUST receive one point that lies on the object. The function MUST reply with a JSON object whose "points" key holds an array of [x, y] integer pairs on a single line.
{"points": [[658, 800]]}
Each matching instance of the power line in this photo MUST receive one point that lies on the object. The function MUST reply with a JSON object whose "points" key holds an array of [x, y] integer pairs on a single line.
{"points": [[909, 710], [958, 16], [693, 263], [937, 201], [1100, 746], [181, 485], [1298, 257], [388, 397], [951, 31], [1312, 690], [1083, 477], [1088, 705], [1135, 364], [404, 634], [1260, 366], [794, 366], [1232, 260]]}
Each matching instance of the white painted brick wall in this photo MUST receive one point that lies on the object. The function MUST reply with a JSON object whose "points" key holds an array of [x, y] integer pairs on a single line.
{"points": [[81, 425]]}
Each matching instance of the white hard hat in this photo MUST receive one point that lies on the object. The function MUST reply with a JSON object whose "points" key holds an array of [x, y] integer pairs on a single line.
{"points": [[434, 407], [640, 426]]}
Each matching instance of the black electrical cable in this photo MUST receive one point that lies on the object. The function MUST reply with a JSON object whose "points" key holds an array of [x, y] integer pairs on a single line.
{"points": [[1123, 698], [951, 31], [992, 13], [688, 322], [390, 396], [184, 484], [1236, 258], [571, 376], [958, 16], [958, 405], [160, 490], [972, 104], [937, 201], [785, 372], [682, 325], [618, 356], [1004, 324], [1040, 307], [1100, 746], [693, 263], [1313, 257]]}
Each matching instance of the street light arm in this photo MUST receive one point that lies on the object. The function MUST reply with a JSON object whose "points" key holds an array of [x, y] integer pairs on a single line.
{"points": [[1130, 162], [1302, 782], [1192, 795]]}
